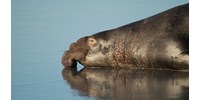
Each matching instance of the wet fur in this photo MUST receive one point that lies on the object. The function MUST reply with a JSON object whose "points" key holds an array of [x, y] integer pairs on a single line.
{"points": [[160, 41]]}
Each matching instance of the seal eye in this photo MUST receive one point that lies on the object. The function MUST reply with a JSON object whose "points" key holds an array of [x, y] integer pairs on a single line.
{"points": [[92, 42]]}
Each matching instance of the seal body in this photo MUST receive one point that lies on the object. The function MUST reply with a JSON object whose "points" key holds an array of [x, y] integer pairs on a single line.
{"points": [[159, 41]]}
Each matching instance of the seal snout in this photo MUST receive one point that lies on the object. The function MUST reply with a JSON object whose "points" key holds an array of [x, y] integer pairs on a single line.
{"points": [[67, 60], [77, 52]]}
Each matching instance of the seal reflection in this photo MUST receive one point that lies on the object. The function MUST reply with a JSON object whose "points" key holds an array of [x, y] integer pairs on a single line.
{"points": [[128, 84]]}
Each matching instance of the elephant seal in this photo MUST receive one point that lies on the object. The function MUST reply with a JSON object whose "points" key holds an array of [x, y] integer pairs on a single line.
{"points": [[159, 41]]}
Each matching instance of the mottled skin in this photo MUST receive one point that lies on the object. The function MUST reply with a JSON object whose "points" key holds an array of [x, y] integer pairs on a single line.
{"points": [[160, 41]]}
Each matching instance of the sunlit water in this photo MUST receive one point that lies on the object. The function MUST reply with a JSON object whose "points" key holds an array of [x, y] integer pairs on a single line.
{"points": [[43, 29]]}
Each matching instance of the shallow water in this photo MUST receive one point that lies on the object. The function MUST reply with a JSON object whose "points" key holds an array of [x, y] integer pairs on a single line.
{"points": [[128, 84], [43, 29]]}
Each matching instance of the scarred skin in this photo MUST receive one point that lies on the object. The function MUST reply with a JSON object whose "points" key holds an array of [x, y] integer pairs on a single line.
{"points": [[160, 41]]}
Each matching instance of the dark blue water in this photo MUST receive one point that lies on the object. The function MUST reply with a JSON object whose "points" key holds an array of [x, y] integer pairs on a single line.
{"points": [[43, 29]]}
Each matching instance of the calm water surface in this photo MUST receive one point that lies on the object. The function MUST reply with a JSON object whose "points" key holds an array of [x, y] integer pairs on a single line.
{"points": [[131, 84], [43, 29]]}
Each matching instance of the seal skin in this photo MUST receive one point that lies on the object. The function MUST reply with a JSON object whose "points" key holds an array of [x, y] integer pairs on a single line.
{"points": [[159, 41]]}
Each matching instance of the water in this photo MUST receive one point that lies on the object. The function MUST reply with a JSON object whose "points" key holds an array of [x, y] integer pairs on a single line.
{"points": [[43, 29], [129, 84]]}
